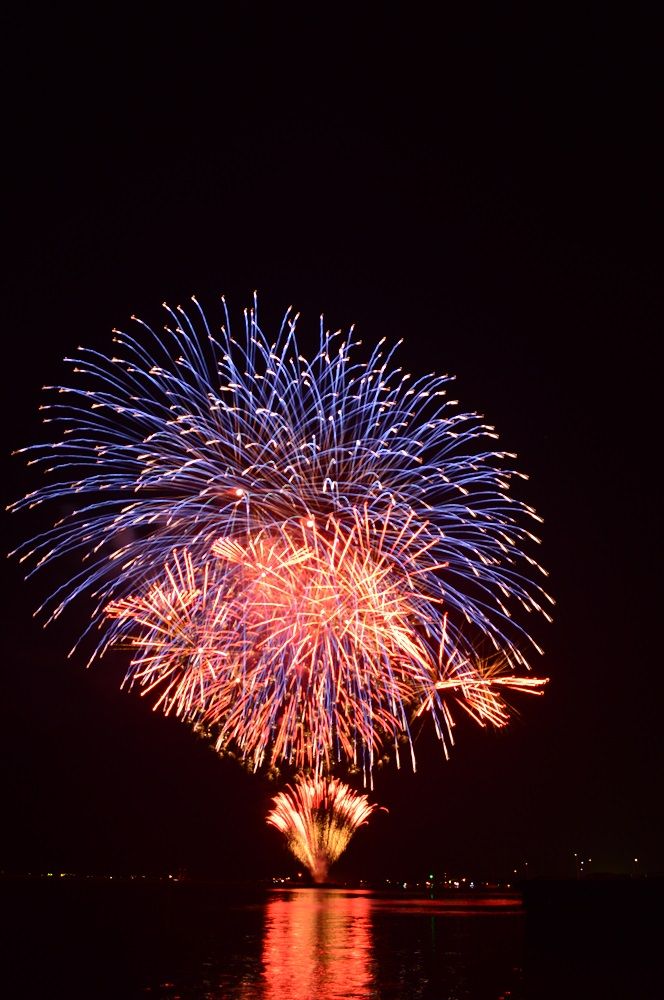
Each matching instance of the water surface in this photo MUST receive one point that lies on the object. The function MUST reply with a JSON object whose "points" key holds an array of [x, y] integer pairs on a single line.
{"points": [[188, 941]]}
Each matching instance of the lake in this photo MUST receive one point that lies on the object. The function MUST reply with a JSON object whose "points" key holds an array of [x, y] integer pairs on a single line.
{"points": [[184, 941]]}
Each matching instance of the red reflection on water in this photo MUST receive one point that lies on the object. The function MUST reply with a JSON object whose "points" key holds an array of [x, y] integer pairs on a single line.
{"points": [[455, 906], [317, 944]]}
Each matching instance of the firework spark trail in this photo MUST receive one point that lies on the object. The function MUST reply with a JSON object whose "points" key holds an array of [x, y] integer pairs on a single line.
{"points": [[328, 626], [297, 649], [283, 630], [318, 818], [346, 541], [174, 635]]}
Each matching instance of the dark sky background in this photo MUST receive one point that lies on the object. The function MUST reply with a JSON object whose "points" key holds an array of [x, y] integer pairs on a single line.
{"points": [[485, 188]]}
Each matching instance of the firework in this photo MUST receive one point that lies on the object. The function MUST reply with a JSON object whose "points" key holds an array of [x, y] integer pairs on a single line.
{"points": [[171, 633], [318, 817], [300, 554], [300, 645]]}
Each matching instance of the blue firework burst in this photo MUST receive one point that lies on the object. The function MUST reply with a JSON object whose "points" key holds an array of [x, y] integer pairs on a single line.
{"points": [[188, 435]]}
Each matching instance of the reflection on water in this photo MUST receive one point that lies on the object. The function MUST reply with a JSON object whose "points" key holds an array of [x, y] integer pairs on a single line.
{"points": [[318, 943], [190, 941], [334, 944]]}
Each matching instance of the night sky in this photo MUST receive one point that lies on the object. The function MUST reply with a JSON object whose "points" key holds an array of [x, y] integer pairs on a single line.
{"points": [[484, 188]]}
